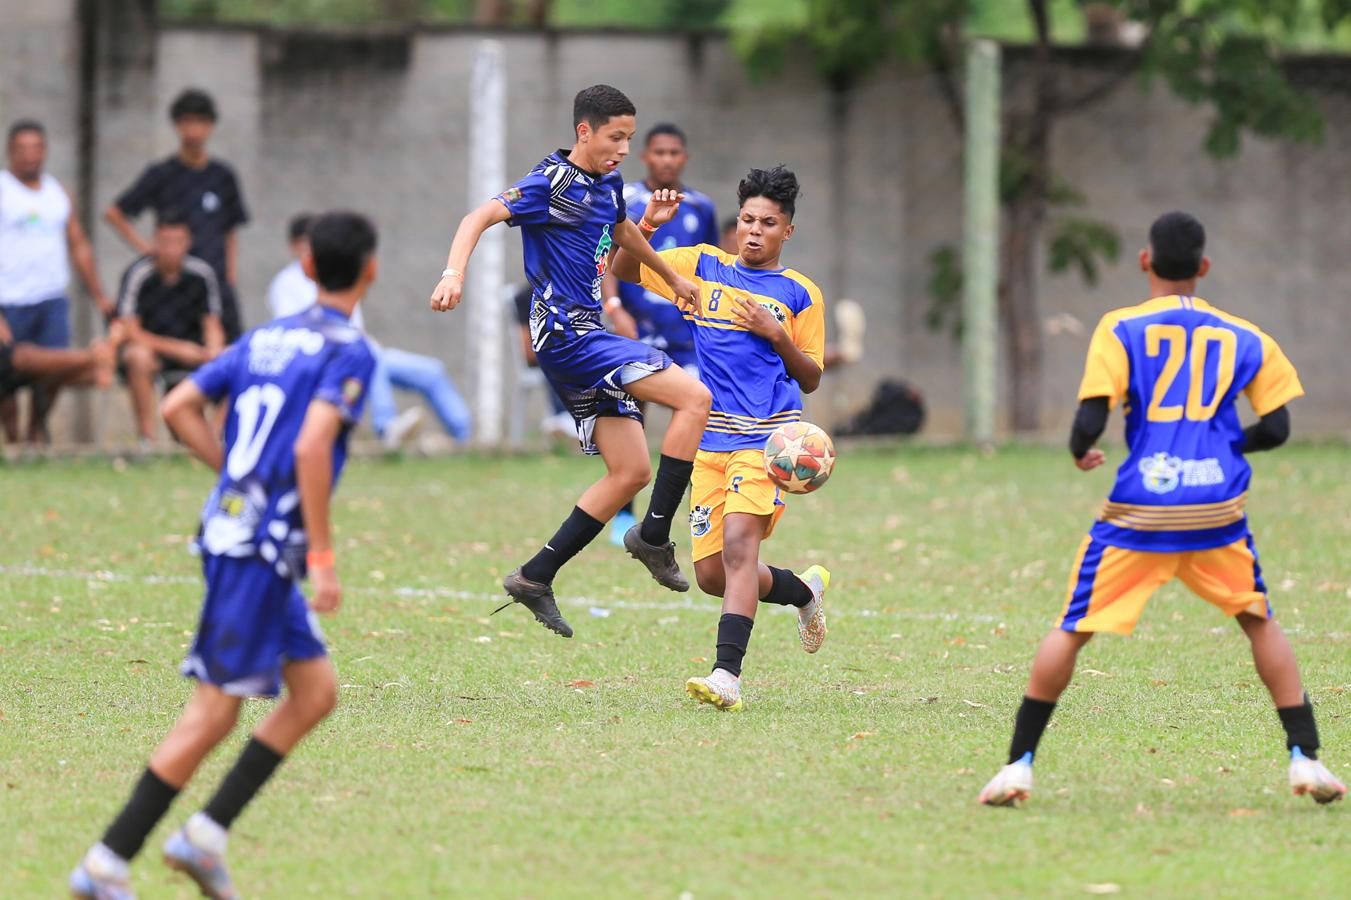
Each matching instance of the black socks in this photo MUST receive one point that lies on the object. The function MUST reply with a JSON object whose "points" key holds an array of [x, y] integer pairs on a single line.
{"points": [[574, 534], [1300, 729], [673, 476], [150, 800], [787, 589], [734, 635], [251, 771], [1028, 727]]}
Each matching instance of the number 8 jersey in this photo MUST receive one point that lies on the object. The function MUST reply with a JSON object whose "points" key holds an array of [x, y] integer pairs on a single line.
{"points": [[1179, 365], [270, 378]]}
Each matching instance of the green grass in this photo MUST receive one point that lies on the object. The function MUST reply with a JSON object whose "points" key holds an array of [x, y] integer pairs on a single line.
{"points": [[478, 757]]}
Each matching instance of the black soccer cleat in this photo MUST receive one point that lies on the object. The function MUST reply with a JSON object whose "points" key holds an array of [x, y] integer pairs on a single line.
{"points": [[660, 561], [539, 599]]}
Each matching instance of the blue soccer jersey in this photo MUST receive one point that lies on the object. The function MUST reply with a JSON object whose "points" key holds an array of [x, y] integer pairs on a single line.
{"points": [[1179, 365], [752, 391], [660, 322], [567, 218], [271, 376]]}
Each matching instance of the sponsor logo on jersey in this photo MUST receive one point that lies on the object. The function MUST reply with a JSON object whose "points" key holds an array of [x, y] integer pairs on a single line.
{"points": [[511, 194], [779, 315], [1163, 473], [272, 349]]}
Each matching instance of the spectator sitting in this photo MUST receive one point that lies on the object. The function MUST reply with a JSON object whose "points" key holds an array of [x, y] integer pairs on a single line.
{"points": [[170, 305], [23, 363], [292, 291]]}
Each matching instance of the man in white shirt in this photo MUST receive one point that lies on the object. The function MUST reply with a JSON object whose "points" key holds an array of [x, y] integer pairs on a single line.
{"points": [[39, 240], [292, 291]]}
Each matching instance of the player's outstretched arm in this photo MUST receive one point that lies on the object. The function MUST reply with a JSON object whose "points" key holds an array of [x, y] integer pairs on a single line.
{"points": [[184, 411], [450, 288], [661, 208], [314, 479], [633, 242]]}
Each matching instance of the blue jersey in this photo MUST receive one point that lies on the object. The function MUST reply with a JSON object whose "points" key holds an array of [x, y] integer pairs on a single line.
{"points": [[1180, 364], [567, 218], [752, 391], [271, 376], [660, 322]]}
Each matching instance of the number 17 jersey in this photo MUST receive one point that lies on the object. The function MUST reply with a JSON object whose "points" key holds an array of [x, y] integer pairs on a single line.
{"points": [[271, 376], [1179, 365]]}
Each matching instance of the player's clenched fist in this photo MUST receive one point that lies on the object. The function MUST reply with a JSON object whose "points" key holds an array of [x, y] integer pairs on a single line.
{"points": [[448, 292], [1091, 460]]}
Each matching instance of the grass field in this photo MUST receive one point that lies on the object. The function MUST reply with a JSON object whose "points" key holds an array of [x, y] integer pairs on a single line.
{"points": [[479, 757]]}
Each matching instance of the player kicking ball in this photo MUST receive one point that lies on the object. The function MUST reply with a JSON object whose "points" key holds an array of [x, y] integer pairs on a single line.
{"points": [[1177, 509], [296, 387], [571, 213], [760, 338]]}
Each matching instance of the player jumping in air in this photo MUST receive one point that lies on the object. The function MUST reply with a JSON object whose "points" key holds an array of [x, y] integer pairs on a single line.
{"points": [[760, 338], [570, 209], [1177, 509], [296, 388]]}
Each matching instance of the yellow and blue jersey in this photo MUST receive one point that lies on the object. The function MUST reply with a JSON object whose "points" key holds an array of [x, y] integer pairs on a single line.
{"points": [[1179, 365], [752, 391]]}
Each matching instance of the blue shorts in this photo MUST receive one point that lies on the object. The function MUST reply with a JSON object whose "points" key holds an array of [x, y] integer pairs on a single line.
{"points": [[253, 622], [46, 324], [589, 373]]}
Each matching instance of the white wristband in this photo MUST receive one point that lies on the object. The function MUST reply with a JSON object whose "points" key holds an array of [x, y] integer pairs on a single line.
{"points": [[612, 302], [449, 272]]}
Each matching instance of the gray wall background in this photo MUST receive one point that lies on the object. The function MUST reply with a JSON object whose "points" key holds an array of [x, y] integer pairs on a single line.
{"points": [[379, 123]]}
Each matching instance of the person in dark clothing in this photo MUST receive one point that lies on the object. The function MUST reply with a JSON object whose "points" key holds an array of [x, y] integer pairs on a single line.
{"points": [[200, 190]]}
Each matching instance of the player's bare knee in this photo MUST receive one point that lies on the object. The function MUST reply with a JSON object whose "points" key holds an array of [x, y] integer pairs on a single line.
{"points": [[711, 580], [700, 401], [633, 475], [739, 553]]}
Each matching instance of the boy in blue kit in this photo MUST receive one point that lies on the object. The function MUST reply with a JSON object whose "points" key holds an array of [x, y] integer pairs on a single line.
{"points": [[642, 314], [1178, 366], [295, 388], [571, 212]]}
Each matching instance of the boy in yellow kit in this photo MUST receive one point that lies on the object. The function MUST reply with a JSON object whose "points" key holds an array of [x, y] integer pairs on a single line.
{"points": [[760, 337], [1177, 508]]}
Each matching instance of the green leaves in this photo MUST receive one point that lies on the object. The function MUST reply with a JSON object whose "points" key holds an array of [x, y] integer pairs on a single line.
{"points": [[1082, 245]]}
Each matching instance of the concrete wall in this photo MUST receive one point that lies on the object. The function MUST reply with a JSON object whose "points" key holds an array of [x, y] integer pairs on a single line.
{"points": [[380, 124]]}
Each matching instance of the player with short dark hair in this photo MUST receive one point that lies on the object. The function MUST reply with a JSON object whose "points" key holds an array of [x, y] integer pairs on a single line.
{"points": [[760, 338], [295, 389], [646, 316], [570, 209], [200, 188], [1177, 509], [170, 305]]}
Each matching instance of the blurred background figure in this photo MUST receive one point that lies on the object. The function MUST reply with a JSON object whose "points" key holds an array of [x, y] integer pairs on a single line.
{"points": [[291, 291], [39, 240], [200, 189], [557, 426], [170, 306]]}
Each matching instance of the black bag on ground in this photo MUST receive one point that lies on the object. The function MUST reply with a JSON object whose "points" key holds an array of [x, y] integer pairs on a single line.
{"points": [[896, 408]]}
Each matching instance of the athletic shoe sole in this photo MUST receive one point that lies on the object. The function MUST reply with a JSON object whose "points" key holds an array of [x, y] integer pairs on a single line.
{"points": [[539, 599], [705, 694]]}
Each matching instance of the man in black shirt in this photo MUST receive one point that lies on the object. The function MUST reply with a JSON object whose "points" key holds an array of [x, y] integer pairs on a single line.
{"points": [[170, 305], [201, 190]]}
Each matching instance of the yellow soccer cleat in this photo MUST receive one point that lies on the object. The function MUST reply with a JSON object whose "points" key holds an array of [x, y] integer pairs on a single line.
{"points": [[721, 690], [811, 619]]}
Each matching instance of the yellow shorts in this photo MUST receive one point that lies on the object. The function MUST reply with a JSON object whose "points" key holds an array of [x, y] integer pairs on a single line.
{"points": [[1110, 585], [723, 483]]}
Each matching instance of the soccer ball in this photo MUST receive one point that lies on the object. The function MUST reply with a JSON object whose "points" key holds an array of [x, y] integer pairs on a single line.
{"points": [[799, 457]]}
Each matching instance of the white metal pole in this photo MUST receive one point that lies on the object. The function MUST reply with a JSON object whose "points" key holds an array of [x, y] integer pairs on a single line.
{"points": [[487, 175], [980, 252]]}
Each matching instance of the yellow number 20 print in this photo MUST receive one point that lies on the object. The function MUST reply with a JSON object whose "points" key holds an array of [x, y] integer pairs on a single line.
{"points": [[1172, 341]]}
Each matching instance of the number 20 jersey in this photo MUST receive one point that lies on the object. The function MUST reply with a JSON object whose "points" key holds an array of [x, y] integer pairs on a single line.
{"points": [[1179, 365], [270, 378]]}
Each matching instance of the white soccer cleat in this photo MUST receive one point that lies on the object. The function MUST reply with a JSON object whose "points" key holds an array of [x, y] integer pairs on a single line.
{"points": [[811, 619], [402, 430], [721, 690], [1309, 776], [1011, 786]]}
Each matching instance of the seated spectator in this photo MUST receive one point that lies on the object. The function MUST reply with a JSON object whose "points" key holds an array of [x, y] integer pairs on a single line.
{"points": [[23, 364], [292, 291], [170, 306]]}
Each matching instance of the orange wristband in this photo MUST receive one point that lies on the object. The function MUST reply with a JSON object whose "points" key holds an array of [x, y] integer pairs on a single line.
{"points": [[646, 227], [320, 559]]}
